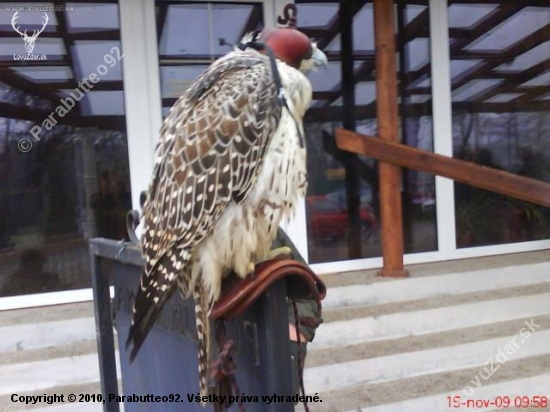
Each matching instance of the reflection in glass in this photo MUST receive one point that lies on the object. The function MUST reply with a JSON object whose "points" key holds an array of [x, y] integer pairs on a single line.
{"points": [[186, 50], [326, 203], [501, 117], [71, 182]]}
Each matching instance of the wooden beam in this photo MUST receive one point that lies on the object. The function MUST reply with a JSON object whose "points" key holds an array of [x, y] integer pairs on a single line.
{"points": [[63, 30], [526, 3], [6, 30], [519, 47], [499, 181], [20, 82], [333, 27], [72, 1], [410, 31], [53, 60], [531, 93], [391, 215], [56, 85], [368, 111], [513, 81], [314, 32], [485, 24], [115, 122]]}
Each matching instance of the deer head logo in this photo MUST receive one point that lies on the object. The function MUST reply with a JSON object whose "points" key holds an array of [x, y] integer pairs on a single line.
{"points": [[29, 40]]}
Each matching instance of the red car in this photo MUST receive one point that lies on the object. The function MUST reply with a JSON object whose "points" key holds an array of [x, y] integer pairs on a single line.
{"points": [[329, 220]]}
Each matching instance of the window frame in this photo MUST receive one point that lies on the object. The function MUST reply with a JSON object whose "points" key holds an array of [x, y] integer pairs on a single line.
{"points": [[142, 97]]}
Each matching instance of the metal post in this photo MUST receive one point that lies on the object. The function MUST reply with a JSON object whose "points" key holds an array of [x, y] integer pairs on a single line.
{"points": [[348, 121], [104, 333], [276, 351]]}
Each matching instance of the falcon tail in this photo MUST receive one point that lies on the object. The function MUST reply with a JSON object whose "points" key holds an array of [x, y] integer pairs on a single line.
{"points": [[146, 313], [156, 288]]}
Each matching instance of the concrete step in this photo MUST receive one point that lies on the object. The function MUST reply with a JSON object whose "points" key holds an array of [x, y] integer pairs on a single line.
{"points": [[410, 364], [387, 344], [430, 393], [397, 325], [418, 271], [500, 396], [45, 375], [414, 288], [46, 334]]}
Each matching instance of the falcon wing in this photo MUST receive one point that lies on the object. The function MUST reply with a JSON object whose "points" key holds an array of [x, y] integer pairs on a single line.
{"points": [[210, 149]]}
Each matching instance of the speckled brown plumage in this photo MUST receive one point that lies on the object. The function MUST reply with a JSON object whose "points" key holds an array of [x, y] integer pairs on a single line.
{"points": [[229, 167]]}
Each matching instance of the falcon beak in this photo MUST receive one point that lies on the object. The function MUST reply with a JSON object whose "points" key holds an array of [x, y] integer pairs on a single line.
{"points": [[319, 59]]}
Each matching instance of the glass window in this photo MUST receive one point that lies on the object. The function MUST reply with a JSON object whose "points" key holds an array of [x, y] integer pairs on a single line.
{"points": [[501, 118], [327, 165], [186, 50], [64, 174]]}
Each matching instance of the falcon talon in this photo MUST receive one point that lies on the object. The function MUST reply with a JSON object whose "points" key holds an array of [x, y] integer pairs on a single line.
{"points": [[275, 253], [280, 251], [251, 270]]}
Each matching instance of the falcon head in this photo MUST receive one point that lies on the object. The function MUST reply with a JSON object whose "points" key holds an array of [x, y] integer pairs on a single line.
{"points": [[294, 48]]}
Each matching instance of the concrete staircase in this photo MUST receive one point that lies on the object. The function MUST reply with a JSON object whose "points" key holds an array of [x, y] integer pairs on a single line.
{"points": [[404, 345]]}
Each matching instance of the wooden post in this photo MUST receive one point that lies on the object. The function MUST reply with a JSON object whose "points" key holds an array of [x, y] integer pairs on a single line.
{"points": [[387, 109]]}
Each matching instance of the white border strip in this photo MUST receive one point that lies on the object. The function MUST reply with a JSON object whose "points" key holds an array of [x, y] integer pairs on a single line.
{"points": [[47, 299], [141, 89], [442, 123], [431, 257]]}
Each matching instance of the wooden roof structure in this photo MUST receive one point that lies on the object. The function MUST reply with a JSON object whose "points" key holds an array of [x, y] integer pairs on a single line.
{"points": [[68, 40], [486, 77]]}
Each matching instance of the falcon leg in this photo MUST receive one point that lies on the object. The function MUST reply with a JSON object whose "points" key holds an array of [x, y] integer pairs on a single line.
{"points": [[273, 253]]}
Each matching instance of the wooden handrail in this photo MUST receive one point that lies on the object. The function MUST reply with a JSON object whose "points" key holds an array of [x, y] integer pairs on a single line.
{"points": [[499, 181]]}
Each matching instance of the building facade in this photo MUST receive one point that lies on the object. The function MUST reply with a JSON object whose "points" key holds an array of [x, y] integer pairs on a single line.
{"points": [[82, 101]]}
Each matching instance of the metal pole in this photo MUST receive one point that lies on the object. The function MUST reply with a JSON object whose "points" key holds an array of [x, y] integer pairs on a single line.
{"points": [[348, 121], [104, 333]]}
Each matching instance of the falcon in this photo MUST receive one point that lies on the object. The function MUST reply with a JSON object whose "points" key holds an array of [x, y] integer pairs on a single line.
{"points": [[230, 166]]}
